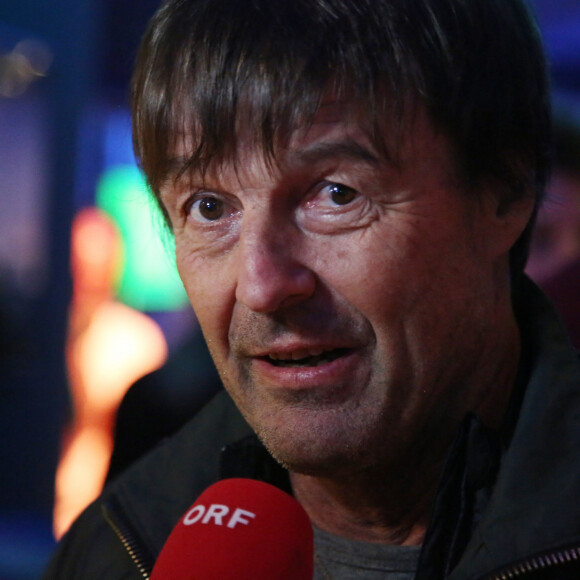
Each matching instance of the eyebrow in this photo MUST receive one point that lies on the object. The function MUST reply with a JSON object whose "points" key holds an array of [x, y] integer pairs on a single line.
{"points": [[346, 149]]}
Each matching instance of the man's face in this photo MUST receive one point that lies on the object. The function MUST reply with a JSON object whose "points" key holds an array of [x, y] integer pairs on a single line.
{"points": [[346, 300]]}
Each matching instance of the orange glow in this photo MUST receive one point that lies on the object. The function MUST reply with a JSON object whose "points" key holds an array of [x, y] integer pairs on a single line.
{"points": [[119, 346], [109, 347]]}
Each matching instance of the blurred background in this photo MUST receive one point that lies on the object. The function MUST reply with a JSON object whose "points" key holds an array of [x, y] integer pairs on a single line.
{"points": [[92, 313]]}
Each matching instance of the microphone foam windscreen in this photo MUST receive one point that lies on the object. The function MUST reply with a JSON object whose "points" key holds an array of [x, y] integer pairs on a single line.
{"points": [[239, 529]]}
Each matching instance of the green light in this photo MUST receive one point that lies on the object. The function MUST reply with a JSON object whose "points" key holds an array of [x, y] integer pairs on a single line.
{"points": [[149, 281]]}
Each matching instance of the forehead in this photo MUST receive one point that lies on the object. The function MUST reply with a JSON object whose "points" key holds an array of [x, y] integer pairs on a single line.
{"points": [[337, 130]]}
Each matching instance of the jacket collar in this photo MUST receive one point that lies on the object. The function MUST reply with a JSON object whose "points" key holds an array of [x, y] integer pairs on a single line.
{"points": [[533, 504]]}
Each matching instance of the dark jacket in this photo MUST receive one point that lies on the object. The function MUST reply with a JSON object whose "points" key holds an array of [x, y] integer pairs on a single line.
{"points": [[508, 504]]}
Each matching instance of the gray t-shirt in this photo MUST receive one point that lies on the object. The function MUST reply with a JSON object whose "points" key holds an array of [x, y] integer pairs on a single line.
{"points": [[337, 558]]}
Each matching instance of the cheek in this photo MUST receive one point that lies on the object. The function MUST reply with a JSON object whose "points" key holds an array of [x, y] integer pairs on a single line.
{"points": [[379, 274], [410, 278], [210, 292]]}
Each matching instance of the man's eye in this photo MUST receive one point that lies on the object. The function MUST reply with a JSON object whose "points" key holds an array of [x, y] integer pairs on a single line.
{"points": [[209, 208], [341, 194]]}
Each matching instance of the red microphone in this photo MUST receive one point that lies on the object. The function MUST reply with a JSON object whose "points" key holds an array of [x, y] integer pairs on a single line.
{"points": [[239, 529]]}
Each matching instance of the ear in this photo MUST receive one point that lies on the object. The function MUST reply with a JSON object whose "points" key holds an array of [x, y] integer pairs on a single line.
{"points": [[507, 220]]}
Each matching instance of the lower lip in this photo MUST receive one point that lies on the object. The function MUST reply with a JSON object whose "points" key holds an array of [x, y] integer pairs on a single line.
{"points": [[326, 375]]}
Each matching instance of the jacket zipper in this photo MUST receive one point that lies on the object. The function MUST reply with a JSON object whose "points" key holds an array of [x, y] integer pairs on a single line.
{"points": [[540, 562], [129, 543]]}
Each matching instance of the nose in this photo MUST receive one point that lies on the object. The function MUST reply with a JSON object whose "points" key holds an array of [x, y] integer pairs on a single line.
{"points": [[271, 275]]}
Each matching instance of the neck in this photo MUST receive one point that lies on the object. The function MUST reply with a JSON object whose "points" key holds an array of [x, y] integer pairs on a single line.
{"points": [[364, 509]]}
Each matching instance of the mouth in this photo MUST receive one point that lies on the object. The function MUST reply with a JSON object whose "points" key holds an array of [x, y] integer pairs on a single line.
{"points": [[305, 358]]}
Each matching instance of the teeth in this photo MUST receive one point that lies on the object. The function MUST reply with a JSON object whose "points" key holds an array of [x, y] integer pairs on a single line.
{"points": [[306, 357], [297, 354]]}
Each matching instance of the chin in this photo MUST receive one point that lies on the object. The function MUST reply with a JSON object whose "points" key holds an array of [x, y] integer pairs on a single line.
{"points": [[311, 466], [312, 453]]}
